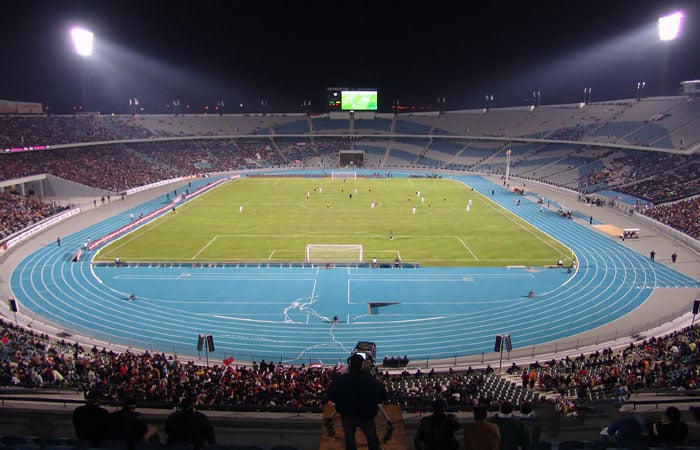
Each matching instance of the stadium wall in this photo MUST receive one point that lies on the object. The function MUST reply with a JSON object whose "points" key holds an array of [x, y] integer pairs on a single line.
{"points": [[59, 187]]}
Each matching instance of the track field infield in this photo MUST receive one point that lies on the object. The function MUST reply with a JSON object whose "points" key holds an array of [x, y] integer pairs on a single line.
{"points": [[429, 221]]}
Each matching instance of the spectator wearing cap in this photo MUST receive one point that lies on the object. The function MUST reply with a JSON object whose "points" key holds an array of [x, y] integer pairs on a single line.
{"points": [[91, 420], [357, 396], [127, 425], [437, 431], [189, 426], [514, 432]]}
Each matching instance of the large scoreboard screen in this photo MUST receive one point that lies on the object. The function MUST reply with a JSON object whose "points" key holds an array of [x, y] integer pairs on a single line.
{"points": [[347, 99]]}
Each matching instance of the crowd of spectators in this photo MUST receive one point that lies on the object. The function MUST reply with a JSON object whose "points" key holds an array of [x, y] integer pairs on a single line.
{"points": [[110, 167], [684, 215], [671, 185], [653, 176], [666, 362], [35, 360], [572, 133], [32, 131], [18, 213]]}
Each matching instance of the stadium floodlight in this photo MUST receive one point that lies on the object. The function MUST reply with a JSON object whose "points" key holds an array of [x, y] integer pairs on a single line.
{"points": [[670, 26], [82, 41]]}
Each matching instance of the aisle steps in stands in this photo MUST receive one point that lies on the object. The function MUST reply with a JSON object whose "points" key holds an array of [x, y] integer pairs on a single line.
{"points": [[392, 436]]}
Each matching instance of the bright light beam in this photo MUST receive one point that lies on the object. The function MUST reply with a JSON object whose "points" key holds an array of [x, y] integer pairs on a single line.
{"points": [[82, 41], [670, 26]]}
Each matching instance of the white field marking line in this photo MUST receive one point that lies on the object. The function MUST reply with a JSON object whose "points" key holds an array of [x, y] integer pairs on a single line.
{"points": [[220, 276], [205, 247], [369, 235], [520, 222], [466, 278], [422, 319], [536, 262], [543, 261], [313, 289], [92, 271], [141, 231], [467, 247]]}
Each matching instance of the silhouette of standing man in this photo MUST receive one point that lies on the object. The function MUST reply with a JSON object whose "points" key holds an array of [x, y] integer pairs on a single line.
{"points": [[357, 396]]}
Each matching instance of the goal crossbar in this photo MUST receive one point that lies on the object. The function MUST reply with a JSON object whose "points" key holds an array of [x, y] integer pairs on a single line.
{"points": [[343, 175], [334, 253]]}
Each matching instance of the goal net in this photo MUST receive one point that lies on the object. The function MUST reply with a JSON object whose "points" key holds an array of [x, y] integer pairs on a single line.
{"points": [[343, 175], [334, 253]]}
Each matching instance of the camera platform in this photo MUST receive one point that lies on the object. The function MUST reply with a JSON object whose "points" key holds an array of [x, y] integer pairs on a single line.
{"points": [[390, 429]]}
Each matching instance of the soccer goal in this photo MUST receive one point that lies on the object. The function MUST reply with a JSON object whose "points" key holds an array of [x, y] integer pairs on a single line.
{"points": [[343, 175], [334, 253]]}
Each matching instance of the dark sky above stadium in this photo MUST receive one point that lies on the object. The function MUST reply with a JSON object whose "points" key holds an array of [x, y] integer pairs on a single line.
{"points": [[287, 52]]}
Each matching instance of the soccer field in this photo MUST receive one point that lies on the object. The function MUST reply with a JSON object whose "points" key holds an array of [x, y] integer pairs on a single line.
{"points": [[432, 222]]}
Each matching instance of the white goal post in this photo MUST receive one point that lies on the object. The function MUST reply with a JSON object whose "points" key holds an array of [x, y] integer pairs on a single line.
{"points": [[343, 175], [334, 253]]}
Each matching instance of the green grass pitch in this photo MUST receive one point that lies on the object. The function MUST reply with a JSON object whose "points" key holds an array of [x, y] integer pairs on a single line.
{"points": [[271, 219]]}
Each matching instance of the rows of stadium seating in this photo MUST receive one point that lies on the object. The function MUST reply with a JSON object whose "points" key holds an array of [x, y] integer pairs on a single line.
{"points": [[666, 121]]}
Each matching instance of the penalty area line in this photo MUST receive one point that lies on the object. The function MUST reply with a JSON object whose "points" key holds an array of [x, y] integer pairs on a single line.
{"points": [[205, 247], [467, 247]]}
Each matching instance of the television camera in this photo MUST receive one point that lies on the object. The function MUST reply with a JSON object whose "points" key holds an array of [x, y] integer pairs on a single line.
{"points": [[368, 352]]}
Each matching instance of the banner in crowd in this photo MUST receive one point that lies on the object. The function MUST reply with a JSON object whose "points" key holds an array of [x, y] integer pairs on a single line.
{"points": [[12, 107]]}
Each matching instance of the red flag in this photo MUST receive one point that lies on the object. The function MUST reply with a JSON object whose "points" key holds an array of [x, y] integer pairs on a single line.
{"points": [[228, 361]]}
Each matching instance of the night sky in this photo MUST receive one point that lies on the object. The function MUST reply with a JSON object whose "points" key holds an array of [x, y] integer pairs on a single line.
{"points": [[287, 52]]}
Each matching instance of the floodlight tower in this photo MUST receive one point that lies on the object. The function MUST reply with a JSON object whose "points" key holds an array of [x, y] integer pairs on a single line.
{"points": [[669, 30], [82, 42]]}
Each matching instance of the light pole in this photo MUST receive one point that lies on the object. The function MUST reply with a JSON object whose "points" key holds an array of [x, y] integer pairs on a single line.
{"points": [[82, 42], [489, 101], [441, 104], [205, 342], [536, 97], [640, 89], [669, 30], [502, 340]]}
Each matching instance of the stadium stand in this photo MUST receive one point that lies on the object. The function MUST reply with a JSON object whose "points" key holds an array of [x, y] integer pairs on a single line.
{"points": [[663, 368]]}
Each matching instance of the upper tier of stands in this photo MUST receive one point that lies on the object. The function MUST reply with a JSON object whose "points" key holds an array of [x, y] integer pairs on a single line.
{"points": [[665, 122]]}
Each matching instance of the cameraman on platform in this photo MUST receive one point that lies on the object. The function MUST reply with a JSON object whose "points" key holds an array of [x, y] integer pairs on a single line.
{"points": [[357, 396]]}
